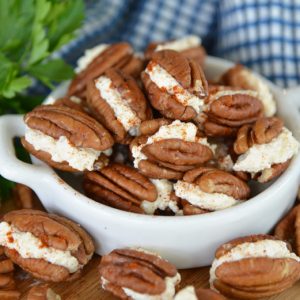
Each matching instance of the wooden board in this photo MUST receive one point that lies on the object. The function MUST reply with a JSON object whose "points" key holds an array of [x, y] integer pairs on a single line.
{"points": [[88, 287]]}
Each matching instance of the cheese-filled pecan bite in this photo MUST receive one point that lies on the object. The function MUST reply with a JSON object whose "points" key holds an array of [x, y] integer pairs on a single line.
{"points": [[100, 58], [42, 292], [254, 267], [116, 100], [241, 77], [135, 273], [190, 293], [49, 247], [226, 109], [265, 149], [211, 189], [169, 150], [175, 85], [66, 139], [189, 46]]}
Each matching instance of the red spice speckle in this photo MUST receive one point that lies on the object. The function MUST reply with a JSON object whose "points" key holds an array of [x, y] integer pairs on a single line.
{"points": [[10, 238]]}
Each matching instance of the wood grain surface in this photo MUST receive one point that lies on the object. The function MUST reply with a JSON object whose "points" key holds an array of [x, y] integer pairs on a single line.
{"points": [[88, 286]]}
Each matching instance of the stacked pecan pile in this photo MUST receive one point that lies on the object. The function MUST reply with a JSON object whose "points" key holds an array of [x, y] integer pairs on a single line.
{"points": [[152, 136]]}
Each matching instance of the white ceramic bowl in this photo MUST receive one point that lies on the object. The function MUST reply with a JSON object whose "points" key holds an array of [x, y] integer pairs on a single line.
{"points": [[188, 241]]}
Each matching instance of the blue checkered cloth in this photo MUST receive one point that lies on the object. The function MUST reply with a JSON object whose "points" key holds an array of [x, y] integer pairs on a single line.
{"points": [[262, 34]]}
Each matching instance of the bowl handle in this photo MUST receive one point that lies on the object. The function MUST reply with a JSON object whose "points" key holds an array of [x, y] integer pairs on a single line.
{"points": [[11, 167]]}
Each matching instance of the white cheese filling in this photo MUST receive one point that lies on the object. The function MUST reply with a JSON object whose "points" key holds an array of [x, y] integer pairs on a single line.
{"points": [[61, 150], [263, 248], [209, 201], [263, 156], [187, 42], [124, 114], [29, 246], [167, 82], [187, 293], [89, 56], [176, 130], [264, 94], [164, 189]]}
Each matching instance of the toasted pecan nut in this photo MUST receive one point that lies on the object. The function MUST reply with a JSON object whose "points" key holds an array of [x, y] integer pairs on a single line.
{"points": [[189, 46], [67, 139], [42, 292], [149, 127], [131, 273], [288, 229], [212, 180], [176, 86], [116, 100], [240, 76], [247, 268], [72, 102], [116, 55], [262, 132], [10, 295], [120, 186], [190, 210], [55, 248], [26, 198], [201, 294]]}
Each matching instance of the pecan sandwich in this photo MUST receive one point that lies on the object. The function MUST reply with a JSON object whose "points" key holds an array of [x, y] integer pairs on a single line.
{"points": [[49, 247], [123, 187], [66, 139], [254, 267], [41, 292], [190, 293], [211, 189], [288, 229], [100, 58], [138, 274], [189, 46], [226, 109], [241, 77], [169, 152], [116, 101], [264, 148], [175, 85]]}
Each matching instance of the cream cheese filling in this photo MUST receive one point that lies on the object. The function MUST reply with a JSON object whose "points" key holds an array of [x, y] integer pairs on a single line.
{"points": [[124, 114], [187, 293], [209, 201], [187, 42], [176, 130], [263, 248], [61, 150], [264, 94], [167, 82], [89, 56], [262, 156], [29, 246], [164, 189]]}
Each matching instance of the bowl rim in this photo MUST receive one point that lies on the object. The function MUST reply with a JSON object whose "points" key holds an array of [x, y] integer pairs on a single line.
{"points": [[233, 212]]}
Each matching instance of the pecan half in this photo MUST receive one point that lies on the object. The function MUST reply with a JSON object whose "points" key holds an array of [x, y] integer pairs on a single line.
{"points": [[212, 180], [261, 132], [26, 198], [42, 292], [240, 76], [71, 102], [136, 270], [228, 109], [288, 229], [254, 274], [116, 100], [80, 130], [50, 232], [119, 186], [116, 55], [180, 94]]}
